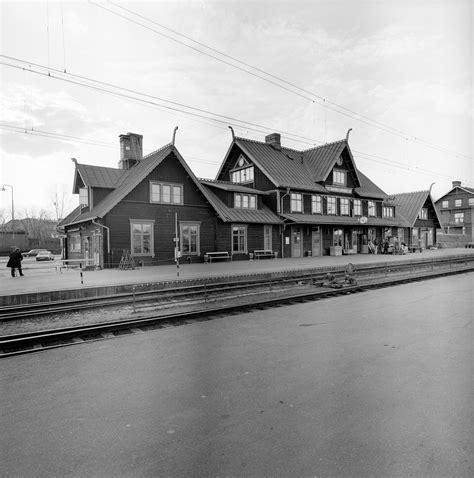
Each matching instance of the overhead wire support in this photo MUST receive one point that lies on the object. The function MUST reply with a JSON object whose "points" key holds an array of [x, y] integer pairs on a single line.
{"points": [[322, 100]]}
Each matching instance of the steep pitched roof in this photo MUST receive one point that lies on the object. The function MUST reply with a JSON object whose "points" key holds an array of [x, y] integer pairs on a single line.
{"points": [[368, 188], [464, 188], [228, 186], [408, 205], [97, 176]]}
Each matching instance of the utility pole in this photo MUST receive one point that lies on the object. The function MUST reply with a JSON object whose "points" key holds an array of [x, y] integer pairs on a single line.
{"points": [[13, 209]]}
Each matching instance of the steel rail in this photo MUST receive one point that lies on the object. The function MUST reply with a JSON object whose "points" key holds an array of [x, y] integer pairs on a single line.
{"points": [[17, 344], [17, 312]]}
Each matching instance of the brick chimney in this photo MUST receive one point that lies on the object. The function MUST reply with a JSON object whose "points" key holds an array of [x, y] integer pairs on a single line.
{"points": [[274, 140], [456, 184], [131, 150]]}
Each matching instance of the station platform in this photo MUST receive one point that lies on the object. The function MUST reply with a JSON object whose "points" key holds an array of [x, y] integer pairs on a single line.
{"points": [[44, 278]]}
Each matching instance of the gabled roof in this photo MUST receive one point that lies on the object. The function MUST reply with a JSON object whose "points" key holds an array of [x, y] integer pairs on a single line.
{"points": [[463, 188], [97, 176], [233, 187], [408, 205], [228, 214], [368, 188]]}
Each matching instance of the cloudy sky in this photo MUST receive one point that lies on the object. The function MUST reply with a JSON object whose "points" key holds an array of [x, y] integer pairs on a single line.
{"points": [[76, 75]]}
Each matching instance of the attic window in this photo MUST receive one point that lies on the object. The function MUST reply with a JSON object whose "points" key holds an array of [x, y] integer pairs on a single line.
{"points": [[242, 175], [339, 177], [83, 197]]}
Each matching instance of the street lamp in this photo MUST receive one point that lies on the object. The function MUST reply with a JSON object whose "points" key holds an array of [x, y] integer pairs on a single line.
{"points": [[13, 210]]}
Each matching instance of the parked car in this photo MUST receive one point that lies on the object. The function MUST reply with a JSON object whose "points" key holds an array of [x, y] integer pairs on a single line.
{"points": [[33, 252], [45, 256]]}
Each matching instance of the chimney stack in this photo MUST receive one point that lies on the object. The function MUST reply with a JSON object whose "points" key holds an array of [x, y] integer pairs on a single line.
{"points": [[456, 184], [274, 140], [131, 150]]}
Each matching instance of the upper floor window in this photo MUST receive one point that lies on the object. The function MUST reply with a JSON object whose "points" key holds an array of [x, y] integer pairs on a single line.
{"points": [[445, 204], [332, 205], [166, 193], [387, 211], [296, 202], [371, 208], [457, 202], [83, 197], [423, 213], [344, 207], [339, 177], [242, 175], [245, 201], [316, 204], [471, 201], [459, 217], [357, 207]]}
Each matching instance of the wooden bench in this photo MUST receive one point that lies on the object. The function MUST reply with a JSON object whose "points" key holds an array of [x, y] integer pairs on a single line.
{"points": [[216, 256], [263, 253], [414, 248]]}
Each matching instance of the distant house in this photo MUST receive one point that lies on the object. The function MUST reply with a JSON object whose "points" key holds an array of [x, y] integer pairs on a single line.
{"points": [[29, 233], [456, 211], [419, 217]]}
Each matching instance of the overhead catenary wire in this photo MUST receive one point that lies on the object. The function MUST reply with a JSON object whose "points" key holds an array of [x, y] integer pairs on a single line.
{"points": [[308, 95]]}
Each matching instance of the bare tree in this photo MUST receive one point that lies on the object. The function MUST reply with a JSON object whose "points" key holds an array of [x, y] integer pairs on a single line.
{"points": [[61, 200]]}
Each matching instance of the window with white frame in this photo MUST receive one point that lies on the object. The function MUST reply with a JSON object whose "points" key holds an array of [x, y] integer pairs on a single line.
{"points": [[296, 202], [471, 201], [339, 177], [445, 204], [74, 242], [344, 207], [239, 239], [84, 197], [457, 202], [371, 208], [242, 175], [189, 238], [388, 211], [245, 201], [166, 193], [423, 213], [458, 217], [332, 209], [141, 240], [316, 204], [357, 207]]}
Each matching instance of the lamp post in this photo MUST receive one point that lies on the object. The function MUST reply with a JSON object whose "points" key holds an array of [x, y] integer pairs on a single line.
{"points": [[13, 209]]}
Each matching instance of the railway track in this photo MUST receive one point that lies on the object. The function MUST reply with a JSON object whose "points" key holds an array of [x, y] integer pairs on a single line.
{"points": [[11, 345]]}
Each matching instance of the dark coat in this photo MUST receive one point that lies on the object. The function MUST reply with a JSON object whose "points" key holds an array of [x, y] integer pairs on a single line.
{"points": [[15, 259]]}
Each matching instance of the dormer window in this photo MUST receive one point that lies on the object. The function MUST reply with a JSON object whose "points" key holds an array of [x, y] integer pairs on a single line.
{"points": [[244, 175], [245, 201], [83, 197], [339, 177], [388, 211]]}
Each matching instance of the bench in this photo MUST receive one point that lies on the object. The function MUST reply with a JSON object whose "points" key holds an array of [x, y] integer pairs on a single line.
{"points": [[263, 253], [210, 256], [413, 248]]}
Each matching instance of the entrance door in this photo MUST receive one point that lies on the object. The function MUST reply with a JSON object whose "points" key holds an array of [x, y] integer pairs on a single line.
{"points": [[296, 243], [267, 237], [96, 249], [316, 242], [86, 250]]}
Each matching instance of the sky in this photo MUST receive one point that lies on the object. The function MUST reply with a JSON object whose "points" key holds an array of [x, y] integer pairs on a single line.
{"points": [[74, 75]]}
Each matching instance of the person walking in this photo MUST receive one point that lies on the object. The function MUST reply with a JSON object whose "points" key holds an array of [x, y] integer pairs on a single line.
{"points": [[14, 262]]}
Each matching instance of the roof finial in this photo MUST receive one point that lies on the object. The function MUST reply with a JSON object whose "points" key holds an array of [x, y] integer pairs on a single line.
{"points": [[431, 187], [233, 135], [174, 133], [74, 160], [347, 134]]}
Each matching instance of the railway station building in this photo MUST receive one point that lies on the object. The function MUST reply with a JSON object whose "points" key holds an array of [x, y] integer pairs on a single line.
{"points": [[266, 201]]}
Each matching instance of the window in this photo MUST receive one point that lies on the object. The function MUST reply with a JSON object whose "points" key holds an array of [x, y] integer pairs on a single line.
{"points": [[83, 197], [239, 239], [74, 241], [339, 177], [316, 204], [189, 238], [337, 237], [423, 213], [457, 202], [445, 204], [357, 207], [344, 207], [166, 193], [296, 202], [387, 211], [471, 201], [141, 237], [458, 217], [332, 205], [245, 201], [242, 175], [371, 206]]}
